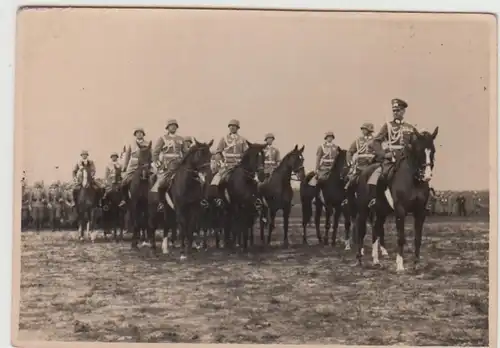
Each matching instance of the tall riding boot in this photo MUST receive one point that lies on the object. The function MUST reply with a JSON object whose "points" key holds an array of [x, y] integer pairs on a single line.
{"points": [[161, 198], [125, 197], [372, 193], [75, 196]]}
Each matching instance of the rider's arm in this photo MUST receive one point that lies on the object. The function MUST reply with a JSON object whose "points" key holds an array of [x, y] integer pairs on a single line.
{"points": [[75, 170], [126, 159], [157, 149], [92, 168], [319, 154], [220, 149], [352, 150], [277, 156]]}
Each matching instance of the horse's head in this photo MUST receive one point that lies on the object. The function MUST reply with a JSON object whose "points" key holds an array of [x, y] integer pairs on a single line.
{"points": [[421, 151], [144, 161], [340, 166], [199, 157], [253, 159], [295, 161], [86, 176]]}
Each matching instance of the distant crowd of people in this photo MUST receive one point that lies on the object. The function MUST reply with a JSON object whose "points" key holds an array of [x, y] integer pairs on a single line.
{"points": [[456, 203]]}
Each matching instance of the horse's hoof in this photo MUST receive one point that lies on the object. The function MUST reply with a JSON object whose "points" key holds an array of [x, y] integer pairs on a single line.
{"points": [[183, 257], [347, 247]]}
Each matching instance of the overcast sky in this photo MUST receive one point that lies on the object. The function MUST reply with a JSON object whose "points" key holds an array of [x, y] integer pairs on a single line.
{"points": [[87, 77]]}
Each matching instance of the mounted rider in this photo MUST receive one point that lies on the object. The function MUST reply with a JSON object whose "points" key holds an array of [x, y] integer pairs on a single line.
{"points": [[361, 153], [83, 163], [167, 155], [113, 169], [325, 157], [131, 161], [396, 134], [271, 155], [229, 151]]}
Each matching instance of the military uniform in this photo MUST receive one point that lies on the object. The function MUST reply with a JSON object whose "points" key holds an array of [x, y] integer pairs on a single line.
{"points": [[271, 157], [325, 157], [361, 153], [112, 174], [38, 195], [78, 169], [131, 162], [231, 148], [167, 155], [397, 134]]}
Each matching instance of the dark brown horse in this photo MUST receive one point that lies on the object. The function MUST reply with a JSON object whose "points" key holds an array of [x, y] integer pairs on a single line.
{"points": [[242, 196], [329, 194], [139, 194], [187, 191], [87, 201], [113, 216], [405, 190], [277, 193]]}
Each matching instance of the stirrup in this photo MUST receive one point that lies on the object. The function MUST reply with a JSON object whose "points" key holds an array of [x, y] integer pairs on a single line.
{"points": [[344, 202], [122, 203], [372, 203]]}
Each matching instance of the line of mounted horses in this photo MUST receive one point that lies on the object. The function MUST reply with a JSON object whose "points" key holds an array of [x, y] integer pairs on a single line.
{"points": [[231, 210]]}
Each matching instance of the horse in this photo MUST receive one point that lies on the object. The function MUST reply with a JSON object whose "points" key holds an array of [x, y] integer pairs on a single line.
{"points": [[331, 195], [113, 216], [38, 205], [213, 212], [407, 191], [277, 192], [87, 201], [187, 192], [139, 194], [56, 209], [241, 195]]}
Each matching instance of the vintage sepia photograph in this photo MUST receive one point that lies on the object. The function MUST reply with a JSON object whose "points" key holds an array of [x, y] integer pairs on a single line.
{"points": [[196, 175]]}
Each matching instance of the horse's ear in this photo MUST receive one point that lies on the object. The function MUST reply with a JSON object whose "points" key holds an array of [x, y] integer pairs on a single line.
{"points": [[435, 133], [249, 143], [417, 133], [296, 148], [210, 143], [301, 150], [196, 141], [150, 145]]}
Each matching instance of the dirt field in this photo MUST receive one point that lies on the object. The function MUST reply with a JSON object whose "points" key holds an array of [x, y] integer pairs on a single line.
{"points": [[107, 292]]}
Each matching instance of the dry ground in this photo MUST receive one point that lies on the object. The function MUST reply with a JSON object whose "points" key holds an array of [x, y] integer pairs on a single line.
{"points": [[107, 292]]}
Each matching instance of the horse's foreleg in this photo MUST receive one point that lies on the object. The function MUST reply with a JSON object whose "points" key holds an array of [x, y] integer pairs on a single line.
{"points": [[400, 226], [262, 223], [336, 218], [271, 224], [360, 236], [286, 221], [306, 218], [328, 216], [419, 218], [377, 233], [347, 227], [317, 220]]}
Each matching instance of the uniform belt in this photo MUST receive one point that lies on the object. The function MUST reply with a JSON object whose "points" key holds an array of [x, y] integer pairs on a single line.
{"points": [[232, 155], [269, 162], [366, 155], [171, 155], [395, 147], [327, 160]]}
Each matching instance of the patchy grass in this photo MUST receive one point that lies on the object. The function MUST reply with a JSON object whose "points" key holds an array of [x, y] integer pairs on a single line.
{"points": [[107, 292]]}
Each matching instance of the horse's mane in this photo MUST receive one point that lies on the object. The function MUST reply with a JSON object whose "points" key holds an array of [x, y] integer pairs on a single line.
{"points": [[191, 151]]}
